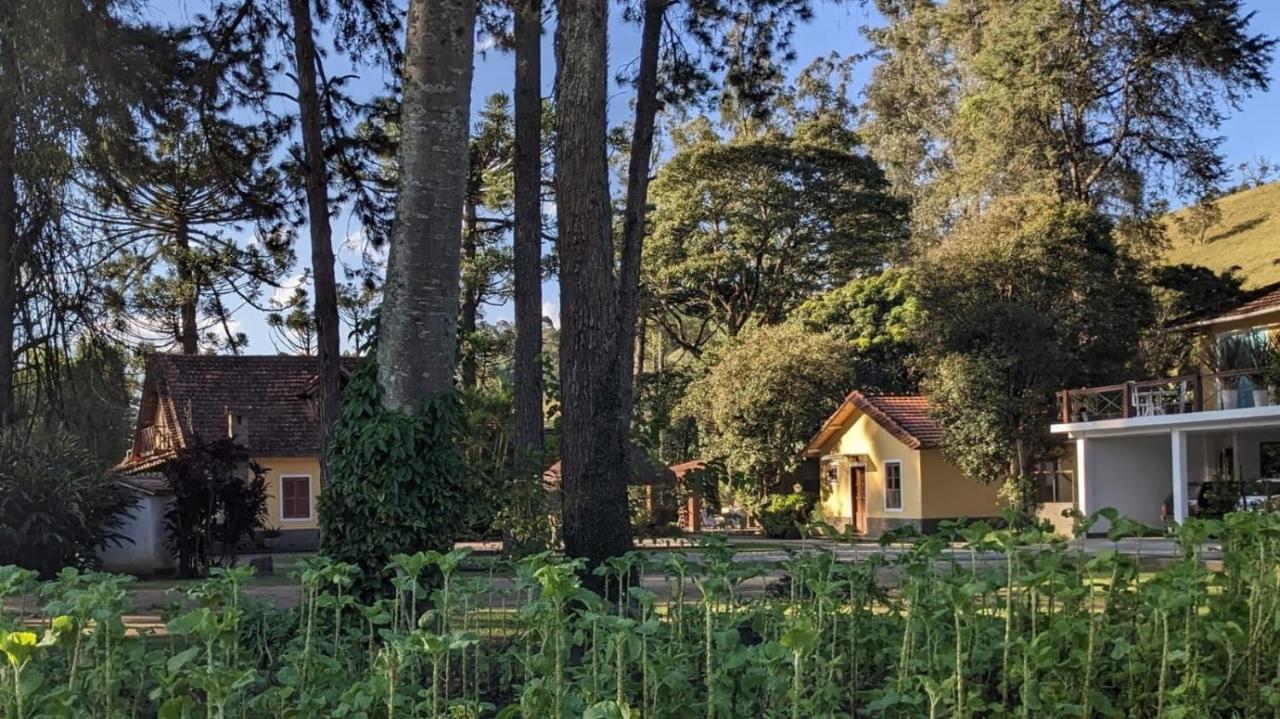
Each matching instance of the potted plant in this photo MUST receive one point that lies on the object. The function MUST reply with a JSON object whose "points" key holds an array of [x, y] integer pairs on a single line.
{"points": [[1271, 369], [1239, 351], [1265, 357]]}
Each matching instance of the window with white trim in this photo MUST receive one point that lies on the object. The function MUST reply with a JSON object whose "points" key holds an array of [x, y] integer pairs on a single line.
{"points": [[893, 485], [295, 497]]}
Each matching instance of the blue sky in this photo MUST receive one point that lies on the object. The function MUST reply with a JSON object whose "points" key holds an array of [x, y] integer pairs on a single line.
{"points": [[1250, 132]]}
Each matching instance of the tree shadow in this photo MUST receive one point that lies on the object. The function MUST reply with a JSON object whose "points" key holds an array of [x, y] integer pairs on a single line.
{"points": [[1237, 228]]}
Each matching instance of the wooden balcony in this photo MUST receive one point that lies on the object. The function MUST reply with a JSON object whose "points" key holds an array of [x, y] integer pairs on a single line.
{"points": [[1174, 395], [149, 441]]}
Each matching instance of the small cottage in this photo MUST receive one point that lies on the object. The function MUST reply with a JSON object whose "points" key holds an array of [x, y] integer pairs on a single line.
{"points": [[881, 467]]}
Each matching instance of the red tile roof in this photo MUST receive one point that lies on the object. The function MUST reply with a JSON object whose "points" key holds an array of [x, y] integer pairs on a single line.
{"points": [[1253, 302], [272, 392], [906, 417]]}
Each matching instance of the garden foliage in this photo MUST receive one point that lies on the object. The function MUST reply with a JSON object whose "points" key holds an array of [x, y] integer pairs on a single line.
{"points": [[1000, 624], [219, 502], [58, 505]]}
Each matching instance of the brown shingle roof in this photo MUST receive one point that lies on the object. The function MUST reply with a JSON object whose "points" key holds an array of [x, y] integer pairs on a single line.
{"points": [[906, 417], [197, 392], [1263, 299]]}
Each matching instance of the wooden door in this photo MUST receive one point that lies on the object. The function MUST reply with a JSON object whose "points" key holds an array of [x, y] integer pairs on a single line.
{"points": [[858, 498]]}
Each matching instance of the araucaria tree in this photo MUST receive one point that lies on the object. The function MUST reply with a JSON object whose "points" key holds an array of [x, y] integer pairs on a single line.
{"points": [[1032, 297], [164, 204]]}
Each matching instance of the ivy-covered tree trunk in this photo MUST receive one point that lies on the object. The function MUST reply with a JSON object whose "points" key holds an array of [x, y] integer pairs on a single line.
{"points": [[9, 251], [528, 229], [317, 181], [593, 453], [419, 325], [637, 204]]}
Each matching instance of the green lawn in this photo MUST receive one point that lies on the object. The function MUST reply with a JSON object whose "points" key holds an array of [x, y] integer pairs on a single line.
{"points": [[1247, 236]]}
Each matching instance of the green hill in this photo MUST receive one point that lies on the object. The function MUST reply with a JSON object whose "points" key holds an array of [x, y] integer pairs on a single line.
{"points": [[1247, 235]]}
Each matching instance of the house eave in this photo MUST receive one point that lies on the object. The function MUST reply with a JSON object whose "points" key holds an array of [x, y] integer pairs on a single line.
{"points": [[1225, 419]]}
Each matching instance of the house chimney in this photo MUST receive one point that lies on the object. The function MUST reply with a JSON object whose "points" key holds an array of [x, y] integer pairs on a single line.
{"points": [[238, 428]]}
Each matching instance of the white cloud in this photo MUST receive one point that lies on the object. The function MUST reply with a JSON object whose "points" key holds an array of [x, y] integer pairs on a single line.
{"points": [[551, 310], [284, 293]]}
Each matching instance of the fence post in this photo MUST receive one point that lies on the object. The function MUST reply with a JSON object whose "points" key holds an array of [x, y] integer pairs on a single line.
{"points": [[1126, 399]]}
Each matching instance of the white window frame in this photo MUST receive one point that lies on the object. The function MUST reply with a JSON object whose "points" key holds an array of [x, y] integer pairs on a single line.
{"points": [[902, 488], [311, 503]]}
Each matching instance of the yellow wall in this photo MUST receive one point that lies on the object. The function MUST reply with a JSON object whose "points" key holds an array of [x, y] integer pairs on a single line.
{"points": [[933, 488], [948, 493], [276, 467], [864, 437]]}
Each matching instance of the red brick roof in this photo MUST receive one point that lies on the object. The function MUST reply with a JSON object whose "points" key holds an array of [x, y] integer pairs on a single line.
{"points": [[1263, 299], [272, 392], [906, 417]]}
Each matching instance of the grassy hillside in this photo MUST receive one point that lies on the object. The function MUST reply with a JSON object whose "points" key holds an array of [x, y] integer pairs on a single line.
{"points": [[1247, 235]]}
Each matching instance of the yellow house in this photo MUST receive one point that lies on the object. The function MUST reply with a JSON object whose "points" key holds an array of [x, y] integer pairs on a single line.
{"points": [[267, 403], [881, 467]]}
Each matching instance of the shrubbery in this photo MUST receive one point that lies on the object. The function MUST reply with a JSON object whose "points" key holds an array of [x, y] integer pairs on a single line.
{"points": [[58, 504], [784, 515], [219, 503]]}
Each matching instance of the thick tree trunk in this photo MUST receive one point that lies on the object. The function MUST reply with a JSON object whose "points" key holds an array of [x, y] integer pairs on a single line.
{"points": [[470, 297], [528, 231], [593, 451], [322, 270], [9, 251], [637, 203], [419, 326]]}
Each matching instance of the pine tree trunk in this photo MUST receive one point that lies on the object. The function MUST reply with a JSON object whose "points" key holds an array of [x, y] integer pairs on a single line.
{"points": [[593, 453], [633, 228], [9, 252], [419, 323], [188, 331], [317, 176], [470, 297], [528, 231]]}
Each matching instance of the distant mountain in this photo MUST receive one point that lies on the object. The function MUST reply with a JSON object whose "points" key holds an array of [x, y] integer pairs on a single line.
{"points": [[1246, 234]]}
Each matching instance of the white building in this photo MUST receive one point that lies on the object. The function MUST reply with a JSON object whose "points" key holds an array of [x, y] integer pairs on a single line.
{"points": [[1148, 448]]}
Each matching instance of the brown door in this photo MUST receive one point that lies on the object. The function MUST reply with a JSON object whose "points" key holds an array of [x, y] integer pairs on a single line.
{"points": [[859, 498]]}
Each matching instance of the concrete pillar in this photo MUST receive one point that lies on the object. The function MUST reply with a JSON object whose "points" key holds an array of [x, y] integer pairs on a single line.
{"points": [[1084, 502], [1178, 445]]}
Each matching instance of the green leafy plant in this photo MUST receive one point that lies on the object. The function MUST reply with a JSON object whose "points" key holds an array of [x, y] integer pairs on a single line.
{"points": [[784, 515], [219, 503], [58, 505], [394, 482]]}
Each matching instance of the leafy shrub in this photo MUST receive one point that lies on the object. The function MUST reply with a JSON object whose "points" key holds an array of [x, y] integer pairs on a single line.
{"points": [[58, 505], [220, 502], [394, 482], [783, 515]]}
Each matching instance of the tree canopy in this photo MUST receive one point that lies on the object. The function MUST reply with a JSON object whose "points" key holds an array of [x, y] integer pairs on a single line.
{"points": [[748, 226]]}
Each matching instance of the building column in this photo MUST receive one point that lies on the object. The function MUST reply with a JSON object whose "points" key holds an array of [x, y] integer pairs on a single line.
{"points": [[1178, 446], [1084, 502]]}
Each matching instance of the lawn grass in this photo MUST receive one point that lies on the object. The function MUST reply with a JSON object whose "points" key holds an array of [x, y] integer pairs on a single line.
{"points": [[1247, 236]]}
